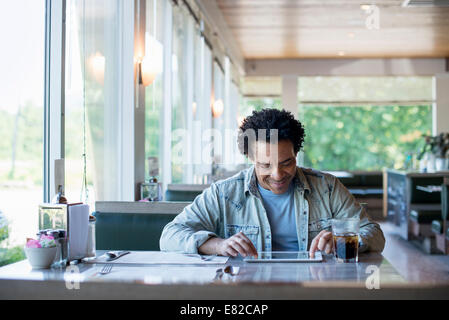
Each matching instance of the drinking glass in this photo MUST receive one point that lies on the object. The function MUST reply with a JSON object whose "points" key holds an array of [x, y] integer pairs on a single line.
{"points": [[345, 234]]}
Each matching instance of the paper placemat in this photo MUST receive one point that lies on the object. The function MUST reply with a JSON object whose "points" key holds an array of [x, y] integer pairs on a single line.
{"points": [[158, 257]]}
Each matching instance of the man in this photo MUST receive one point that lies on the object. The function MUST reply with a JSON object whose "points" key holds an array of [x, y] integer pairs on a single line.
{"points": [[272, 206]]}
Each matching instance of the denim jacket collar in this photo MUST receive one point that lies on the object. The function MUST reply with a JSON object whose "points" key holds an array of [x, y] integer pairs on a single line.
{"points": [[299, 180]]}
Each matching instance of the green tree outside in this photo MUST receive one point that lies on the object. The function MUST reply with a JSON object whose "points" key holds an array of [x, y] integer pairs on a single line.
{"points": [[8, 255], [365, 137]]}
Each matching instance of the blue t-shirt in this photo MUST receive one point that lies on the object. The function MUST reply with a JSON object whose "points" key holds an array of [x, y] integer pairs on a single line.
{"points": [[281, 215]]}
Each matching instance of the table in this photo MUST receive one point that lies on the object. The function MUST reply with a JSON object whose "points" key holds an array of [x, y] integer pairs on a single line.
{"points": [[401, 195], [429, 189], [325, 280]]}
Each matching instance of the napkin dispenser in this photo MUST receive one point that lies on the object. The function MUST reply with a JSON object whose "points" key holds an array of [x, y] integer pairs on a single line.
{"points": [[74, 218]]}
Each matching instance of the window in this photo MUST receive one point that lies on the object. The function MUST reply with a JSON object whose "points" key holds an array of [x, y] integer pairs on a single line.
{"points": [[21, 117], [234, 124], [202, 112], [217, 113], [179, 91], [92, 112], [191, 92], [154, 51], [363, 123], [259, 93], [251, 104]]}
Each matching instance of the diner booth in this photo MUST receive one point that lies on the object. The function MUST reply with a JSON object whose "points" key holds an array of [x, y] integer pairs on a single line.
{"points": [[130, 112]]}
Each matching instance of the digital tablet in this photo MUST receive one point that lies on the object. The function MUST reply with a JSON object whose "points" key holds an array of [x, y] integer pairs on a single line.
{"points": [[285, 256]]}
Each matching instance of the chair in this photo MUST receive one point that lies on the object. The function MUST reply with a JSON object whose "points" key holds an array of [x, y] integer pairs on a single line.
{"points": [[421, 222], [133, 225], [425, 206], [440, 225], [437, 226]]}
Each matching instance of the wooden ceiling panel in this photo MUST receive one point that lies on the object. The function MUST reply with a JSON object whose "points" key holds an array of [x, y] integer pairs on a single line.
{"points": [[309, 28]]}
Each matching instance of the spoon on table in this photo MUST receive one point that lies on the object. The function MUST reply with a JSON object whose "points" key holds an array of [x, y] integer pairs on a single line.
{"points": [[114, 255]]}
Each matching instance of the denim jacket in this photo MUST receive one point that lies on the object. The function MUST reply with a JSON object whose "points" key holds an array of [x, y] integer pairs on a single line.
{"points": [[234, 204]]}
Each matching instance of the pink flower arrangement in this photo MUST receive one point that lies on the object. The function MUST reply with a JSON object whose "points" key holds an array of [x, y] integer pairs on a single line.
{"points": [[33, 244], [43, 242]]}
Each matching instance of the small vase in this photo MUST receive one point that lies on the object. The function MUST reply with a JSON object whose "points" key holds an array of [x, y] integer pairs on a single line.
{"points": [[440, 164], [423, 165], [431, 162]]}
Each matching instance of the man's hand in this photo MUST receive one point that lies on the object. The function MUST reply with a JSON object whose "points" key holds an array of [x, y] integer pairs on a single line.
{"points": [[323, 242], [238, 243]]}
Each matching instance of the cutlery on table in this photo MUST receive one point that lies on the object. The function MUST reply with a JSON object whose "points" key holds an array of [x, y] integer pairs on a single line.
{"points": [[106, 269], [114, 255], [202, 257]]}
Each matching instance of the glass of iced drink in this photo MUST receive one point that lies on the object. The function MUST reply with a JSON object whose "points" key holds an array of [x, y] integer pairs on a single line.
{"points": [[345, 233]]}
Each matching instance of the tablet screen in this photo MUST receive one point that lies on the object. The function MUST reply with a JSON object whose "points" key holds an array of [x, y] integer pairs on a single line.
{"points": [[285, 256]]}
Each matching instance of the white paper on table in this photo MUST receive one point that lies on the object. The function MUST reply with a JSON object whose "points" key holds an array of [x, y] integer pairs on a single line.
{"points": [[78, 228], [159, 257]]}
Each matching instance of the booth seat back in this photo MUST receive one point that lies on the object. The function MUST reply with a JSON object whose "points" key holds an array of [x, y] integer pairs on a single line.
{"points": [[364, 184], [179, 195], [133, 225], [368, 179], [184, 192], [349, 182]]}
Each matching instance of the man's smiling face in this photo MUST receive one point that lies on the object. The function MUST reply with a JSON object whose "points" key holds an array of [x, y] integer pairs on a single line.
{"points": [[275, 165]]}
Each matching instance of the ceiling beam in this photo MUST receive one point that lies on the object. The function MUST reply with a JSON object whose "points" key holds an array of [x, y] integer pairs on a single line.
{"points": [[345, 67], [215, 19]]}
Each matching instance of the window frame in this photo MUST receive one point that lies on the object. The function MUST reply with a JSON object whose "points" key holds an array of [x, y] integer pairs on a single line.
{"points": [[54, 96], [131, 101]]}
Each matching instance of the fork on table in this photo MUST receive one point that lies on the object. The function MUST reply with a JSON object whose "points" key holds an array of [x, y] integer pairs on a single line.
{"points": [[106, 269]]}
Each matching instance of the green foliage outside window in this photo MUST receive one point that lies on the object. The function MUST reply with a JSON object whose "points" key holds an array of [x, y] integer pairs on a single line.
{"points": [[11, 255], [153, 102], [8, 255], [356, 137], [21, 163], [363, 138], [4, 230], [256, 104], [21, 145]]}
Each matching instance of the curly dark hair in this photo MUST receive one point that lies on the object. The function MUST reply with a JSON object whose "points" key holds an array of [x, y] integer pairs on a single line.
{"points": [[288, 128]]}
